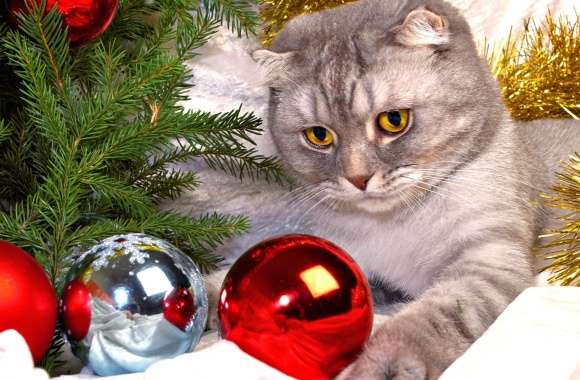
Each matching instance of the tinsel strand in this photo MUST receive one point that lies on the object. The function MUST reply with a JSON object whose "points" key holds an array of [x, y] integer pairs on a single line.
{"points": [[563, 247], [539, 71]]}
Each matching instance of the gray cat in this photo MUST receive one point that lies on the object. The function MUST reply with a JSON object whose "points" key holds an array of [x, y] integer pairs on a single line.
{"points": [[392, 125]]}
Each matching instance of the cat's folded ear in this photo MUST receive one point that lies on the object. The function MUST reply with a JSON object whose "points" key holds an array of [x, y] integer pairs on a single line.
{"points": [[422, 28], [274, 65]]}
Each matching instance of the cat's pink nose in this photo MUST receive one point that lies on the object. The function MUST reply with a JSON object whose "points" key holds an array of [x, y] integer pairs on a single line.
{"points": [[359, 181]]}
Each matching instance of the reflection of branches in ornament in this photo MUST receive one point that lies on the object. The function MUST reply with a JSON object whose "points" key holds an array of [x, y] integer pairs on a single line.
{"points": [[539, 71], [564, 243]]}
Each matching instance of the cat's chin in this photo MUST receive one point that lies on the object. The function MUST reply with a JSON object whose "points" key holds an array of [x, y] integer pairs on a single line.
{"points": [[377, 205]]}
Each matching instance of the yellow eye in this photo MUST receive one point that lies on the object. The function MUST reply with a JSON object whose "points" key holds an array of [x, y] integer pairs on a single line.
{"points": [[394, 121], [319, 137]]}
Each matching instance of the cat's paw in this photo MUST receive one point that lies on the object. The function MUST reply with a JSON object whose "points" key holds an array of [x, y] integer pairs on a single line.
{"points": [[389, 355]]}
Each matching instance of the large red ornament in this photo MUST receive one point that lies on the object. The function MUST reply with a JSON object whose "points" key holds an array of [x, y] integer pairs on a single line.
{"points": [[27, 299], [298, 303], [86, 19]]}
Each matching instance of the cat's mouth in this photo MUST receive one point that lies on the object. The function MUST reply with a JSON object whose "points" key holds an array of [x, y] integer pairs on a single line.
{"points": [[402, 190], [379, 201]]}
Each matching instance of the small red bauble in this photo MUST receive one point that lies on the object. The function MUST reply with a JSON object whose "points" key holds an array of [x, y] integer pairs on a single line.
{"points": [[27, 299], [86, 19], [179, 308], [75, 308], [298, 303]]}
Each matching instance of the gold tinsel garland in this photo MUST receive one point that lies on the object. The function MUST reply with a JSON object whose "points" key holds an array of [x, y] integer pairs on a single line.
{"points": [[564, 243], [539, 76], [539, 71]]}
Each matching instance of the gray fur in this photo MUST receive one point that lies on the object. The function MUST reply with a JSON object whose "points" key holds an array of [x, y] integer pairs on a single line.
{"points": [[450, 213]]}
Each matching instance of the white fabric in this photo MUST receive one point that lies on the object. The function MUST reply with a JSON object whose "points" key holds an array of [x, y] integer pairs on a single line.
{"points": [[16, 360], [223, 360], [537, 337]]}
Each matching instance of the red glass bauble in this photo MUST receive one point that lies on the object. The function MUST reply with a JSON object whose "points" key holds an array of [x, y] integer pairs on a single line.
{"points": [[76, 309], [86, 19], [27, 299], [179, 308], [298, 303]]}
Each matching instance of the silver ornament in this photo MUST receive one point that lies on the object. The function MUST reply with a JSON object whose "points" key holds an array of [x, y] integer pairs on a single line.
{"points": [[130, 301]]}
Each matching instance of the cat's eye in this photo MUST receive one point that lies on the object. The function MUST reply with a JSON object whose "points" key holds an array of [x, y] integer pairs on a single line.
{"points": [[320, 137], [394, 121]]}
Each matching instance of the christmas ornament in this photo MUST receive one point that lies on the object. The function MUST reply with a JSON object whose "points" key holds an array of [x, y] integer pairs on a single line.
{"points": [[86, 20], [130, 301], [27, 299], [276, 13], [298, 303]]}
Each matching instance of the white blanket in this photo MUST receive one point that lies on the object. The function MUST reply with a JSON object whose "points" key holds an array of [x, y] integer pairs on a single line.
{"points": [[536, 338]]}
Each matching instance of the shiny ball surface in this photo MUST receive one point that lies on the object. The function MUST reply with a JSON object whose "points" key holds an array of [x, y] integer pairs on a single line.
{"points": [[86, 19], [298, 303], [130, 301], [27, 299]]}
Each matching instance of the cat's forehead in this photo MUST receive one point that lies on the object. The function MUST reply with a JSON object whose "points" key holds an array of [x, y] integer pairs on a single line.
{"points": [[342, 22]]}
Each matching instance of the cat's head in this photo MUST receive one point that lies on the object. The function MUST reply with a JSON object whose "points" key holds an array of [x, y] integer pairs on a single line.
{"points": [[376, 102]]}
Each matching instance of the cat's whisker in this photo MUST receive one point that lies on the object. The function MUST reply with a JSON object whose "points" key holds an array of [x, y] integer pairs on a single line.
{"points": [[308, 211], [442, 192], [477, 185], [491, 171], [305, 197]]}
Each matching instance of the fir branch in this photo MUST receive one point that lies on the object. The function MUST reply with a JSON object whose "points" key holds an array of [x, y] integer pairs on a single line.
{"points": [[130, 22], [53, 358], [238, 15], [233, 126], [131, 200], [46, 35], [89, 144], [192, 36], [168, 184], [243, 162], [4, 131], [40, 100]]}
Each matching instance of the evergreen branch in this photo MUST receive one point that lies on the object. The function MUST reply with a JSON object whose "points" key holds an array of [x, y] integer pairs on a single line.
{"points": [[243, 162], [50, 38], [4, 131], [89, 145], [237, 14], [168, 184], [231, 126], [130, 22], [131, 200], [39, 98], [21, 226], [53, 358], [192, 36]]}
